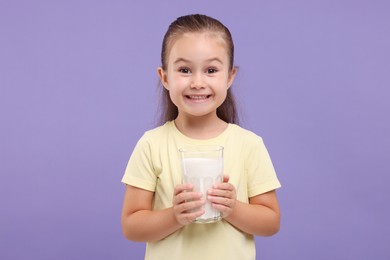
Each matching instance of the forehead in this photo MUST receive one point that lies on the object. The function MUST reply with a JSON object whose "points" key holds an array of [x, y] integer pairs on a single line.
{"points": [[198, 44]]}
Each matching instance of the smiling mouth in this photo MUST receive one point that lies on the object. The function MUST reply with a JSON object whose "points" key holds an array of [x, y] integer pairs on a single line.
{"points": [[198, 97]]}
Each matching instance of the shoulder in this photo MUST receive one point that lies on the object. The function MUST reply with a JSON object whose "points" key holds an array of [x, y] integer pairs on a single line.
{"points": [[245, 135], [158, 132], [244, 141], [150, 140], [156, 136]]}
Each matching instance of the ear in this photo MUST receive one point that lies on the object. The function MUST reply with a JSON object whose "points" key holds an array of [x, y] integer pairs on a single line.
{"points": [[163, 77], [232, 75]]}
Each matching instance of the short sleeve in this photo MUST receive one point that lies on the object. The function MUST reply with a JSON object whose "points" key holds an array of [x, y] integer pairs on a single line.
{"points": [[140, 171], [260, 170]]}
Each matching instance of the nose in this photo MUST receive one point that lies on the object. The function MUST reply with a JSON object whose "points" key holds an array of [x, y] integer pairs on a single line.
{"points": [[197, 81]]}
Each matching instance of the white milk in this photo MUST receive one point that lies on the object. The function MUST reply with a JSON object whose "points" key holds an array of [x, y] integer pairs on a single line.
{"points": [[203, 173]]}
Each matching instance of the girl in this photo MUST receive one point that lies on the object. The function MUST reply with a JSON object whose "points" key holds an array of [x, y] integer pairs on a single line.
{"points": [[197, 73]]}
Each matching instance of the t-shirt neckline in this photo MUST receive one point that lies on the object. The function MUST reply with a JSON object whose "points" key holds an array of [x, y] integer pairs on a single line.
{"points": [[198, 141]]}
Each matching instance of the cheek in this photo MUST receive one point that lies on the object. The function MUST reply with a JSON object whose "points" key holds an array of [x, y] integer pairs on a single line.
{"points": [[223, 82], [178, 82]]}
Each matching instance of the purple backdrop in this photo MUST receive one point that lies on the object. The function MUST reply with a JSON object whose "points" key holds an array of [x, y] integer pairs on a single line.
{"points": [[78, 88]]}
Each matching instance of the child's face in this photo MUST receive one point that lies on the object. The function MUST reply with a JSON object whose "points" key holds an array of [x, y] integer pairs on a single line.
{"points": [[197, 74]]}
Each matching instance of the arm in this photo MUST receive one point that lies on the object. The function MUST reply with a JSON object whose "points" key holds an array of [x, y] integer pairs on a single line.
{"points": [[141, 223], [260, 217]]}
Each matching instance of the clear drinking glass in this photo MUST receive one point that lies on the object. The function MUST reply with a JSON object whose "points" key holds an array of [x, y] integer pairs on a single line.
{"points": [[203, 167]]}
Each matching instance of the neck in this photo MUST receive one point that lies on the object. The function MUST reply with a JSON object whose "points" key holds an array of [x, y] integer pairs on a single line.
{"points": [[200, 127]]}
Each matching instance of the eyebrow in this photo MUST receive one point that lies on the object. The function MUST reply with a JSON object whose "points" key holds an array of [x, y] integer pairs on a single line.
{"points": [[178, 60]]}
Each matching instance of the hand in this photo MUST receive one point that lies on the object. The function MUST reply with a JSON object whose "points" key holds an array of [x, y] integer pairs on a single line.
{"points": [[187, 204], [223, 197]]}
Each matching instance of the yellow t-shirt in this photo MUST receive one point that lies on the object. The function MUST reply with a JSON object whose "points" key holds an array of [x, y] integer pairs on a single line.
{"points": [[155, 166]]}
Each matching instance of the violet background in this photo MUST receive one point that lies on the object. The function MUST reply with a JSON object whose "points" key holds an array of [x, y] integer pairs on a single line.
{"points": [[78, 87]]}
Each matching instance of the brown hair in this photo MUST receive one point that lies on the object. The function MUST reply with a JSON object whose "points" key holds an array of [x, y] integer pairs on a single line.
{"points": [[197, 23]]}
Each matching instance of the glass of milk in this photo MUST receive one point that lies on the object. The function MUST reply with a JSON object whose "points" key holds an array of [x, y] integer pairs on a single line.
{"points": [[203, 167]]}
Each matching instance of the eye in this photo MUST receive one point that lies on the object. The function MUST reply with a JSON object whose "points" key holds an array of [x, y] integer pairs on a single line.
{"points": [[184, 70], [211, 70]]}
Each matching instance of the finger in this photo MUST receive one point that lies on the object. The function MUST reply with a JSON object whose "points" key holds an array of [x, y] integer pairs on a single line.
{"points": [[186, 196], [221, 193], [226, 178], [221, 187], [187, 218], [226, 201], [190, 206], [182, 187], [225, 210]]}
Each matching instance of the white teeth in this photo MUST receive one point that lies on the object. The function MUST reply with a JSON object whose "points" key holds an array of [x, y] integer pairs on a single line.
{"points": [[197, 97]]}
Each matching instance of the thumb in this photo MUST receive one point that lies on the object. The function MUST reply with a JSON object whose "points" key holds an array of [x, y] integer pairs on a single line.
{"points": [[226, 178]]}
